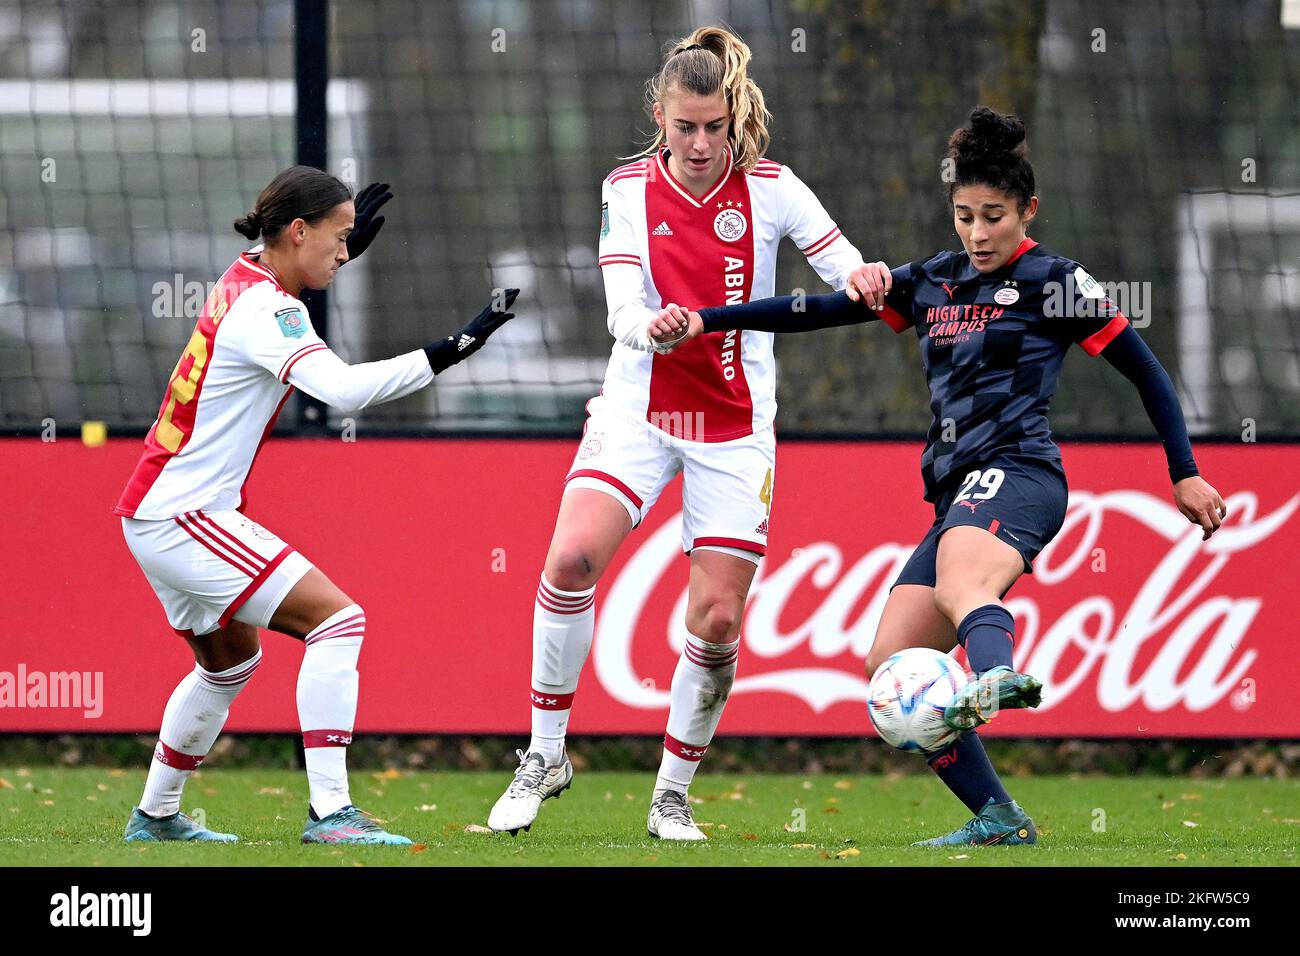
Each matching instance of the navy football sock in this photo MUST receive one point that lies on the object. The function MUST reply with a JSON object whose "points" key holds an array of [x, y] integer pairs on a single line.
{"points": [[964, 768], [988, 634]]}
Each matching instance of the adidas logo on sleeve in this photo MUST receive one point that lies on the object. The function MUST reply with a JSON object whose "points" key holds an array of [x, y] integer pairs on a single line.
{"points": [[662, 229]]}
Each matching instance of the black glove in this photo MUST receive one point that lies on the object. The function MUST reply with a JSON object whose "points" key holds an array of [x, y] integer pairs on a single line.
{"points": [[446, 353], [367, 224]]}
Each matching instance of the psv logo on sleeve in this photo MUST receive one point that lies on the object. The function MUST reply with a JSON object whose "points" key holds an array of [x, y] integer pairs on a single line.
{"points": [[291, 322]]}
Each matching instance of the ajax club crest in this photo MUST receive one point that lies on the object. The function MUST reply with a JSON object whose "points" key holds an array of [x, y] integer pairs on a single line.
{"points": [[730, 225]]}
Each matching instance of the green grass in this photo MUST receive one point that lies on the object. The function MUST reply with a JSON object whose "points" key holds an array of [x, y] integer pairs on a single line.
{"points": [[74, 817]]}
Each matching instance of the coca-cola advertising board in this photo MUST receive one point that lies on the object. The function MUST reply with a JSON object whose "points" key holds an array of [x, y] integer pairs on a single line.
{"points": [[1136, 626]]}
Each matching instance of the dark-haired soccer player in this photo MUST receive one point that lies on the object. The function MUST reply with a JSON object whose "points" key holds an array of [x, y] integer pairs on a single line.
{"points": [[994, 323], [220, 575]]}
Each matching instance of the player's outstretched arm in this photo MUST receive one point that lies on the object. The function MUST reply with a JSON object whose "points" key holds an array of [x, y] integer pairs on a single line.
{"points": [[319, 372], [784, 313], [1196, 498]]}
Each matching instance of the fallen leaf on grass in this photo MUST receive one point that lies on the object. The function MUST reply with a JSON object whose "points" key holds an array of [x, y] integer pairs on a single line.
{"points": [[831, 810], [1191, 796], [1192, 824], [1179, 856], [5, 784], [271, 792], [101, 786], [843, 785], [803, 846], [960, 856], [1168, 805], [389, 774], [750, 836], [427, 807], [475, 828], [848, 854], [115, 772], [419, 847]]}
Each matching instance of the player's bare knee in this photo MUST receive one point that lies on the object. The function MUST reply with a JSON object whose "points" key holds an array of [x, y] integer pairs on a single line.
{"points": [[715, 621], [948, 596], [226, 647], [572, 568]]}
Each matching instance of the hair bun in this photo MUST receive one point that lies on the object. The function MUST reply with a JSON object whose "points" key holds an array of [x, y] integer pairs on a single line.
{"points": [[250, 226], [989, 135]]}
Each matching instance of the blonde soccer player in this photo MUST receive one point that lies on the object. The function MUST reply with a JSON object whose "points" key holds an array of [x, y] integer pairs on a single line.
{"points": [[696, 219], [218, 573]]}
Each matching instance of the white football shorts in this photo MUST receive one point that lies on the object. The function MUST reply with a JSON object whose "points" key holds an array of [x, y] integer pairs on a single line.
{"points": [[210, 568], [726, 486]]}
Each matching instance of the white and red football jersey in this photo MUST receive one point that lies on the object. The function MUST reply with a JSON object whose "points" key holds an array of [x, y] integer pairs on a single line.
{"points": [[253, 343], [661, 244]]}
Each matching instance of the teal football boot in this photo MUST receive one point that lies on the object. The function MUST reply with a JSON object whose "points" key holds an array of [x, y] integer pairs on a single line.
{"points": [[997, 689], [178, 826], [349, 826], [998, 824]]}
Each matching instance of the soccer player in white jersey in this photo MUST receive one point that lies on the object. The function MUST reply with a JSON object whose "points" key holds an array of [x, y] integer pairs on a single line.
{"points": [[698, 219], [219, 575]]}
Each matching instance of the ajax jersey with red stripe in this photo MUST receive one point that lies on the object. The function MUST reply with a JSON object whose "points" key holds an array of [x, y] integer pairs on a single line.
{"points": [[220, 402], [661, 244]]}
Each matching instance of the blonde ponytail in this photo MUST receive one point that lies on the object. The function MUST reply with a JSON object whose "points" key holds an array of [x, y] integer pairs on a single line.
{"points": [[708, 61]]}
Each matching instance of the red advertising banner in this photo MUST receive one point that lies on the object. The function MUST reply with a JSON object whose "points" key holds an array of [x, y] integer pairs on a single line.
{"points": [[1137, 628]]}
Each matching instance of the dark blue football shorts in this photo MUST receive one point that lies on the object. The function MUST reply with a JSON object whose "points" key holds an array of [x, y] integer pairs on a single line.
{"points": [[1019, 499]]}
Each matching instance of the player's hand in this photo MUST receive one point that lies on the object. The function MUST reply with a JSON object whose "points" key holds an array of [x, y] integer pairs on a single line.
{"points": [[367, 225], [1200, 504], [458, 347], [870, 283], [671, 327]]}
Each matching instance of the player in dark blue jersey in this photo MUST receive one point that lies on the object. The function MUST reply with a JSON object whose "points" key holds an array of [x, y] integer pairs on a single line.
{"points": [[994, 323]]}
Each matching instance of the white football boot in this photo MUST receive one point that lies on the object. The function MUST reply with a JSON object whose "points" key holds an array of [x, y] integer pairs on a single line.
{"points": [[671, 819], [533, 783]]}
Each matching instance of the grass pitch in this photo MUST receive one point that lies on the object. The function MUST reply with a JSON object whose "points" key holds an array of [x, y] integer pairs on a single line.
{"points": [[75, 817]]}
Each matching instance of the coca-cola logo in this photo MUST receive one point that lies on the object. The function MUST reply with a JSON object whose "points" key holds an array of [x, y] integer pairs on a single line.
{"points": [[1176, 643]]}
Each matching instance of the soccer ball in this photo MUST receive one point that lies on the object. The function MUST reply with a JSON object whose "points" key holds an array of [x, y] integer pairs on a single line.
{"points": [[908, 696]]}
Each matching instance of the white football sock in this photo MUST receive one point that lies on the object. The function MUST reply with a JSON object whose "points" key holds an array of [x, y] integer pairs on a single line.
{"points": [[192, 720], [563, 625], [327, 705], [701, 683]]}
